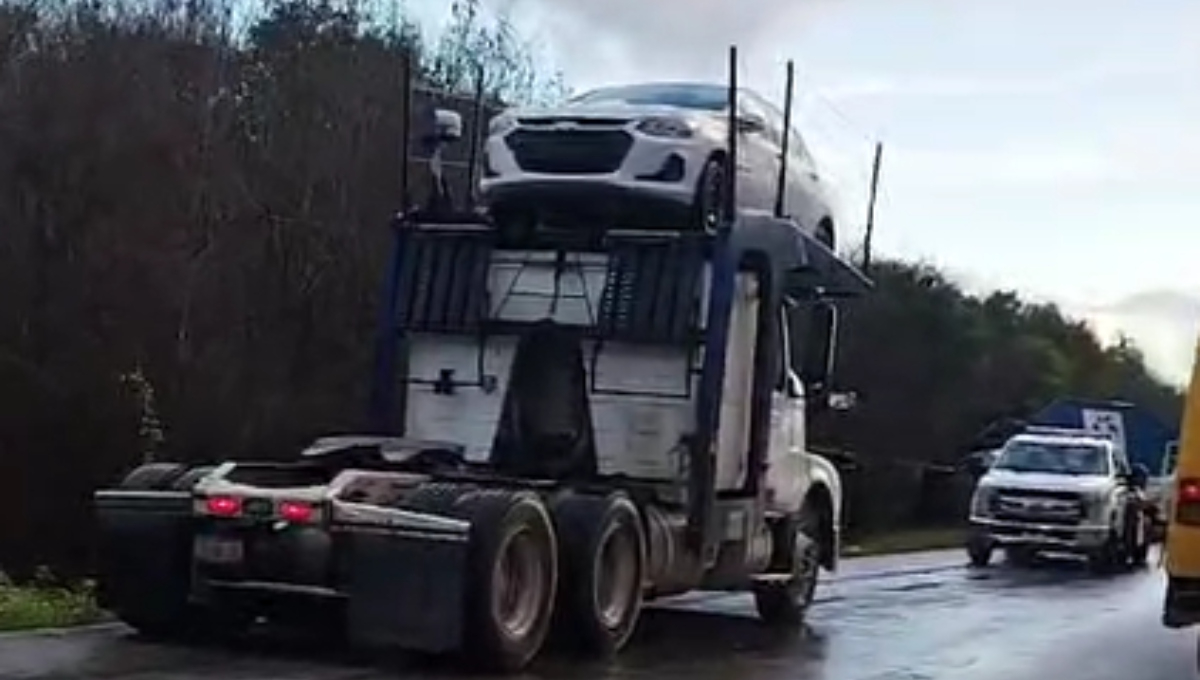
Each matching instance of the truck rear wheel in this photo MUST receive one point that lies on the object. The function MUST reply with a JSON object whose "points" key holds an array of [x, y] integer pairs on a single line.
{"points": [[152, 477], [785, 602], [188, 480], [435, 498], [602, 551], [512, 577]]}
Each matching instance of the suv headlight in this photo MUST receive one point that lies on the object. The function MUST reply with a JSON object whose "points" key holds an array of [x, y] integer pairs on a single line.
{"points": [[501, 124], [665, 127]]}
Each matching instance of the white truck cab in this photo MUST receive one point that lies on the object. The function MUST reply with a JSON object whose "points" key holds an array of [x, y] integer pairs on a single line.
{"points": [[1059, 490]]}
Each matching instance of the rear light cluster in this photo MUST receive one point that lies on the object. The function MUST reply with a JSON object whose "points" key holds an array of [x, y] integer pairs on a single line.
{"points": [[296, 512], [1187, 501]]}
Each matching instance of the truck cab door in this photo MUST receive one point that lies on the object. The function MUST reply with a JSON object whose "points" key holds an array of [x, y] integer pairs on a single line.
{"points": [[788, 475]]}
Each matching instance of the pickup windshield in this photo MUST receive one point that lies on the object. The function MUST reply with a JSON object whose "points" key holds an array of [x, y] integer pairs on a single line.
{"points": [[1053, 457]]}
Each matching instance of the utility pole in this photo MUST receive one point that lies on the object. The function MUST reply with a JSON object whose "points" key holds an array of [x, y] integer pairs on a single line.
{"points": [[866, 261]]}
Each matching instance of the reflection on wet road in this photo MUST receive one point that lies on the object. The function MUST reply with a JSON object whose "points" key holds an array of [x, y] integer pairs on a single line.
{"points": [[914, 618]]}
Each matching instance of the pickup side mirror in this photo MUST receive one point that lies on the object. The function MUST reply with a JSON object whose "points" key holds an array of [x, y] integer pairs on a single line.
{"points": [[1139, 475], [843, 401]]}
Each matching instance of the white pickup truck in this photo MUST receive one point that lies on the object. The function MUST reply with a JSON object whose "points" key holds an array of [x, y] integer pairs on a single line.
{"points": [[1065, 491]]}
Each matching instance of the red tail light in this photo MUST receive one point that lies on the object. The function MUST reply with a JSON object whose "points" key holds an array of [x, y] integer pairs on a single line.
{"points": [[1187, 501], [296, 512], [1189, 490], [223, 506]]}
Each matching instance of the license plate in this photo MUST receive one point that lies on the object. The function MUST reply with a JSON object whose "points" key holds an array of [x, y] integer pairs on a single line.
{"points": [[217, 550]]}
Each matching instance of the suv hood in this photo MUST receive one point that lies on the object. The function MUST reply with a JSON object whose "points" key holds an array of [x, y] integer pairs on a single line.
{"points": [[1044, 481], [609, 110]]}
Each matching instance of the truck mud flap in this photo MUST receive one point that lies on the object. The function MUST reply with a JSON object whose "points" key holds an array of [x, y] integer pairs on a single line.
{"points": [[144, 549], [405, 583], [1181, 607]]}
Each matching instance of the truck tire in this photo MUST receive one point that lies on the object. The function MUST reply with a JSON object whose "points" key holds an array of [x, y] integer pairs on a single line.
{"points": [[511, 579], [188, 480], [602, 553], [152, 477], [785, 603], [435, 498]]}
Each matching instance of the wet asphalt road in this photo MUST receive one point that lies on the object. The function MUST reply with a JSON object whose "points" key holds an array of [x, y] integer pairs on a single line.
{"points": [[922, 617]]}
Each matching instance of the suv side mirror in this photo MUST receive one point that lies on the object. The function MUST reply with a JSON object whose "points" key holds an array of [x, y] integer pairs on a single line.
{"points": [[1139, 475], [750, 122]]}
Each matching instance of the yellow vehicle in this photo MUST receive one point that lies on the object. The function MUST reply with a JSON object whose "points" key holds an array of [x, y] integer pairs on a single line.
{"points": [[1182, 605]]}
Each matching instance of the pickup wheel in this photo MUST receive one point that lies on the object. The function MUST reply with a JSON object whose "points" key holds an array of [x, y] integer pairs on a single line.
{"points": [[979, 549], [1021, 555], [512, 577], [1108, 557], [784, 603], [1139, 540], [602, 551]]}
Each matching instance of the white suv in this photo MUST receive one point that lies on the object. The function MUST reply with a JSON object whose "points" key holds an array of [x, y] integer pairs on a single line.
{"points": [[648, 156], [1060, 491]]}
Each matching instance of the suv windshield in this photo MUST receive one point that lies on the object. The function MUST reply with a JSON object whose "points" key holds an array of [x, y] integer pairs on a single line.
{"points": [[1053, 457], [682, 95]]}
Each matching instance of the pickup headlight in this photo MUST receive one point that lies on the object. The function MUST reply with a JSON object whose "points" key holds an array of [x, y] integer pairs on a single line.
{"points": [[665, 127], [981, 501], [1094, 505]]}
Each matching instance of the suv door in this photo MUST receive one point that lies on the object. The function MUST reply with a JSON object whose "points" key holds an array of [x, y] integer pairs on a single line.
{"points": [[759, 154], [803, 194]]}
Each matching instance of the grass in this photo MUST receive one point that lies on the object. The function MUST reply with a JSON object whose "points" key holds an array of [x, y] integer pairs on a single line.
{"points": [[906, 541], [42, 606]]}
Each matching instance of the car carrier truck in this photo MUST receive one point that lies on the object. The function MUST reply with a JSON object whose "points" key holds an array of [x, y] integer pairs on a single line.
{"points": [[589, 420]]}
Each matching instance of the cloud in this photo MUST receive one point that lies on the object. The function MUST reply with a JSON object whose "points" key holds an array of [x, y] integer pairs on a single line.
{"points": [[1163, 324], [932, 85], [615, 40], [1007, 166]]}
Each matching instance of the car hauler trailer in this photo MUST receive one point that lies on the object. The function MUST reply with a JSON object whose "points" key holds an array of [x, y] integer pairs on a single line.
{"points": [[589, 421]]}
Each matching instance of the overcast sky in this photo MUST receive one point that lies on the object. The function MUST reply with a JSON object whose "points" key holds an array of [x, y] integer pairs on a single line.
{"points": [[1047, 146]]}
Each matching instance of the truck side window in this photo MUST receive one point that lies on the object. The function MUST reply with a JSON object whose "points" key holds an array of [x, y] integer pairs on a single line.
{"points": [[785, 350]]}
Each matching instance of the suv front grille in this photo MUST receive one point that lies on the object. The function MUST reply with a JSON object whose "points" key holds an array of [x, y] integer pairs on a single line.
{"points": [[569, 152]]}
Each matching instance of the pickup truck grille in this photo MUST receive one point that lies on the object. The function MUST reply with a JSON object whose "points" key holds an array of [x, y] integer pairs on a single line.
{"points": [[569, 152], [1043, 507]]}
